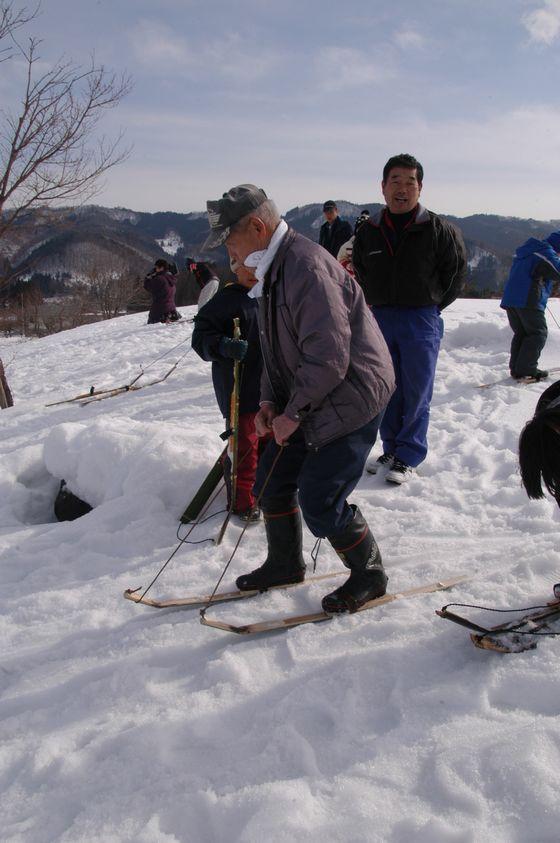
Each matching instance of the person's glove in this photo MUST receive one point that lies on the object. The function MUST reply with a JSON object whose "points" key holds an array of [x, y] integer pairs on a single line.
{"points": [[233, 349]]}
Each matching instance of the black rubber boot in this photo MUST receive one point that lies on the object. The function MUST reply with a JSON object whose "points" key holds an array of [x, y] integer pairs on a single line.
{"points": [[284, 562], [358, 550]]}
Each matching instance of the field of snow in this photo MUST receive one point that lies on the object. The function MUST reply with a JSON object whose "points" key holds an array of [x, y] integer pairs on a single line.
{"points": [[123, 723]]}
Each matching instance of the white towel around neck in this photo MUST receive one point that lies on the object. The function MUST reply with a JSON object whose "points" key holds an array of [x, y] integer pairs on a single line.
{"points": [[263, 259]]}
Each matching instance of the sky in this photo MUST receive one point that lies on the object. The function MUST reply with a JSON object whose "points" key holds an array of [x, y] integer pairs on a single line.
{"points": [[309, 99]]}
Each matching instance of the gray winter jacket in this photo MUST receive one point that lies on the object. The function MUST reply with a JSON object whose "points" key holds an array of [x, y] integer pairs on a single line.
{"points": [[326, 363]]}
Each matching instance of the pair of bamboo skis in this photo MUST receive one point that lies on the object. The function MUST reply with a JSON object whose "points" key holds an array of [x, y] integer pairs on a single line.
{"points": [[284, 622]]}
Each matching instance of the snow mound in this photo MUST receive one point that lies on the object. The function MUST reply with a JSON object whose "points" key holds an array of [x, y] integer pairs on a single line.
{"points": [[118, 457]]}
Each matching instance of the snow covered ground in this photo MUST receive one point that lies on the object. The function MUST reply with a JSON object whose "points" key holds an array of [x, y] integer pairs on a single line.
{"points": [[123, 723]]}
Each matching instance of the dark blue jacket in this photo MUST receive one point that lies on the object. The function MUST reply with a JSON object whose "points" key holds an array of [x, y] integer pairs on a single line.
{"points": [[426, 267], [333, 237], [535, 268], [215, 320]]}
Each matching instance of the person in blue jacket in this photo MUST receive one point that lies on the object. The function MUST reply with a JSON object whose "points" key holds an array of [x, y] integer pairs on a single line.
{"points": [[535, 269]]}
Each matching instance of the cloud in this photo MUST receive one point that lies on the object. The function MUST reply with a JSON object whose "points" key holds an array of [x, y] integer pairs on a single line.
{"points": [[155, 42], [230, 57], [347, 67], [543, 25], [409, 37]]}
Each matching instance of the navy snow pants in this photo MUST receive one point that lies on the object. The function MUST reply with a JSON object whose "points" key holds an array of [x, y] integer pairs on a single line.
{"points": [[529, 338], [413, 335], [323, 478]]}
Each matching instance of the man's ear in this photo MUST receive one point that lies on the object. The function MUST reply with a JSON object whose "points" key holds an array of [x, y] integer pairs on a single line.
{"points": [[257, 225]]}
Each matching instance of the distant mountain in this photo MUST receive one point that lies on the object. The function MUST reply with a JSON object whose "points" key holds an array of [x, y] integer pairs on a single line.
{"points": [[66, 243]]}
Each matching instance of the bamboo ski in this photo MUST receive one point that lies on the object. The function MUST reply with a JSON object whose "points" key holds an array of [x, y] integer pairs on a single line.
{"points": [[513, 381], [513, 636], [195, 600], [319, 617], [131, 387], [93, 393]]}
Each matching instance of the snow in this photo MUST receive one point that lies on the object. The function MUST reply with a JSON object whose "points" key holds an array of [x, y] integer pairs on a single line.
{"points": [[171, 243], [479, 254], [123, 723]]}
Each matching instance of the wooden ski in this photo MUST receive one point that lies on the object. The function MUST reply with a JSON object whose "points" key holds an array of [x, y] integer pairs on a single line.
{"points": [[514, 636], [90, 394], [318, 617], [220, 597], [131, 387], [513, 381]]}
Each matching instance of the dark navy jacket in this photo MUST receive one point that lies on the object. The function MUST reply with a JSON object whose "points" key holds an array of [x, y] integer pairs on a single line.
{"points": [[215, 320], [427, 267], [333, 237], [535, 268]]}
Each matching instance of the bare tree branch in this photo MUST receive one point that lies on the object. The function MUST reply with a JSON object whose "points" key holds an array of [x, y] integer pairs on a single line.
{"points": [[10, 21], [50, 149]]}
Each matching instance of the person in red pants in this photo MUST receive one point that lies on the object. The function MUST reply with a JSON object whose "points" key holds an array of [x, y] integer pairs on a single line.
{"points": [[213, 340]]}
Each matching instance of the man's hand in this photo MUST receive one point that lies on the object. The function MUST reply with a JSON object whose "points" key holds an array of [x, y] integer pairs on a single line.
{"points": [[264, 419], [233, 349], [283, 427]]}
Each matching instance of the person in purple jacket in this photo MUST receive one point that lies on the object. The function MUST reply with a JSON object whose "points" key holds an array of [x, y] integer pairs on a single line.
{"points": [[160, 282], [327, 377]]}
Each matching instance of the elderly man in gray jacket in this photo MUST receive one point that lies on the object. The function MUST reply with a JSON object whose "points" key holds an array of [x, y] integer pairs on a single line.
{"points": [[327, 378]]}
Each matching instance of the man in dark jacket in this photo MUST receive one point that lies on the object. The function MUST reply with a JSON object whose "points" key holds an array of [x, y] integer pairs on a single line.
{"points": [[334, 231], [535, 269], [411, 264], [212, 339], [327, 378], [160, 282]]}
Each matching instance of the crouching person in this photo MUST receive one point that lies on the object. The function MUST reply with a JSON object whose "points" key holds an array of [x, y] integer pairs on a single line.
{"points": [[327, 377], [212, 339]]}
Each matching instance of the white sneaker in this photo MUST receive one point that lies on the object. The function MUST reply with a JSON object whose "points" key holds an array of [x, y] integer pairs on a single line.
{"points": [[399, 473], [384, 461]]}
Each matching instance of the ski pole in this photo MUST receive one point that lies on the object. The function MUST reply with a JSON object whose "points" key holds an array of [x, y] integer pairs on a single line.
{"points": [[234, 427], [553, 316]]}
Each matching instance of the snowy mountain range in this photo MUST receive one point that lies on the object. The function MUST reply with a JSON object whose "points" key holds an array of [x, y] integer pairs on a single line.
{"points": [[56, 242]]}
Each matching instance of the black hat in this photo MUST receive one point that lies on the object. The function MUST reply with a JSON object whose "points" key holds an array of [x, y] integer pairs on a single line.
{"points": [[329, 205], [225, 212]]}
